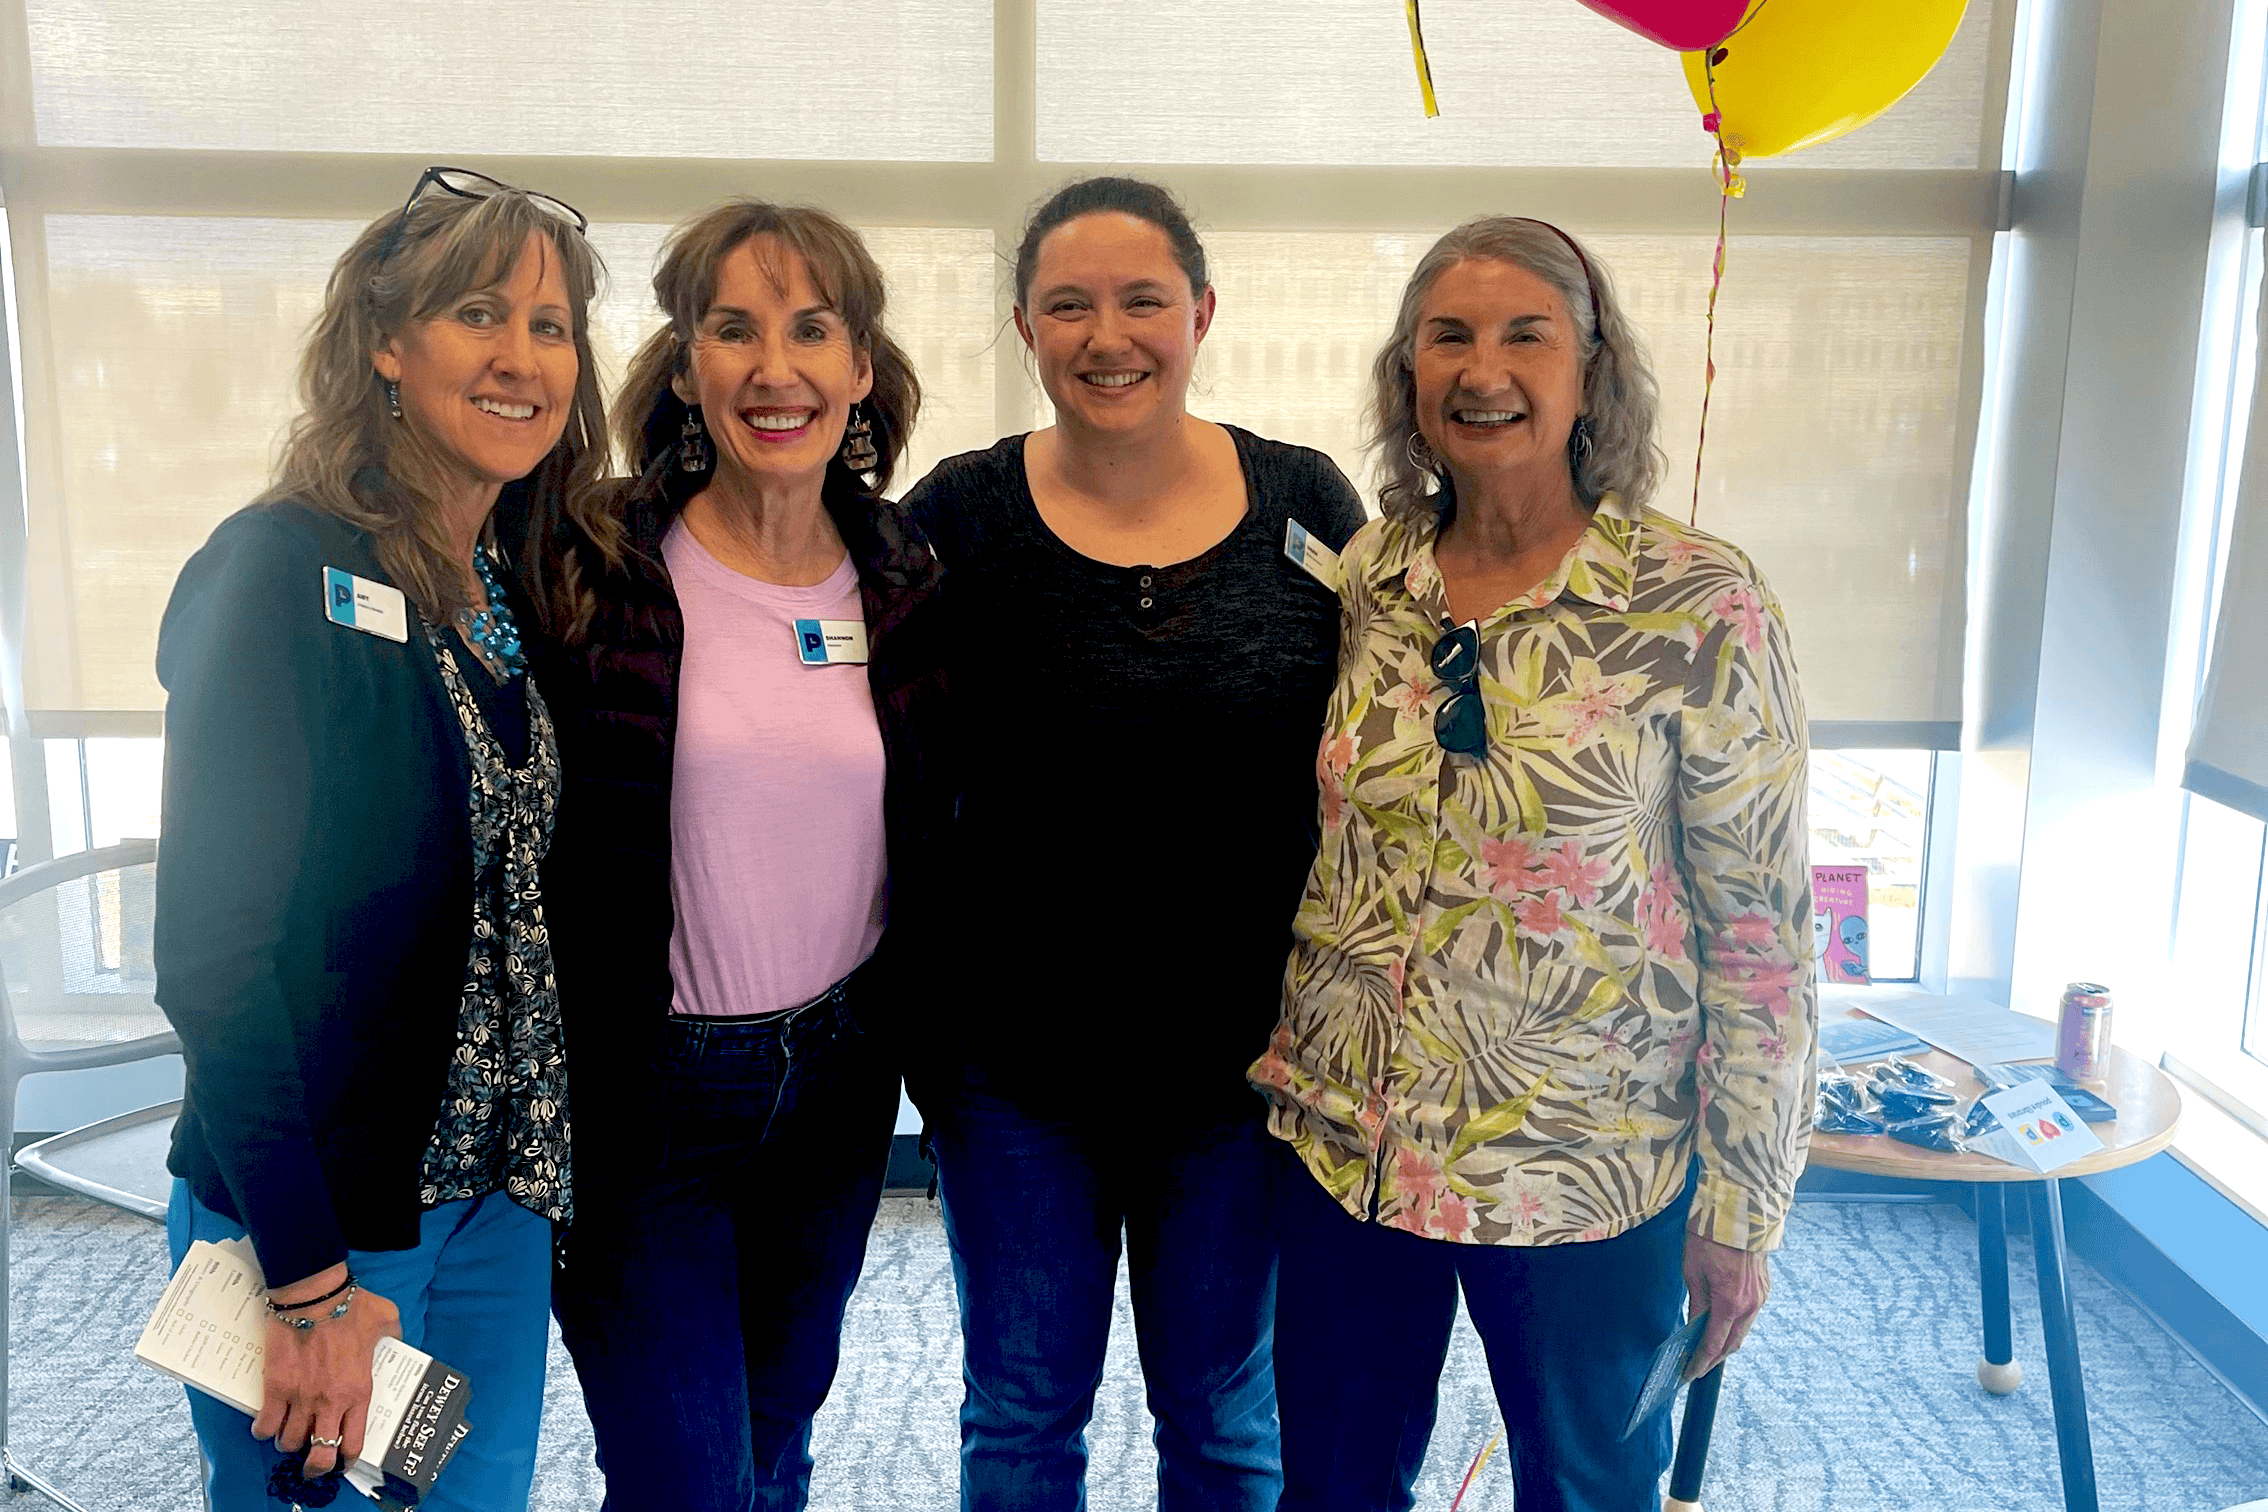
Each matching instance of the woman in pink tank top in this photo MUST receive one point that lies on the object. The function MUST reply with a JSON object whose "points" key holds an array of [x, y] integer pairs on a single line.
{"points": [[749, 698]]}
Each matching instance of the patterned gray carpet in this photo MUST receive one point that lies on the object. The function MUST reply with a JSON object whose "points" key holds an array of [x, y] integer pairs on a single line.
{"points": [[1856, 1394]]}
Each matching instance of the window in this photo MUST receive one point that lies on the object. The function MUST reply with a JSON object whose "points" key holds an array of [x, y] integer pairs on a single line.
{"points": [[2218, 1036], [1871, 809], [188, 170]]}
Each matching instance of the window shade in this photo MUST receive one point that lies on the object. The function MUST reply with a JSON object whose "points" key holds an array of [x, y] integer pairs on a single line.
{"points": [[2228, 749], [1522, 83], [693, 78], [1834, 451], [177, 341], [163, 309]]}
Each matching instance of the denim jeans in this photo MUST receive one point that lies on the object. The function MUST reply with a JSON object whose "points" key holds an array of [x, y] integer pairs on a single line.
{"points": [[1034, 1207], [705, 1312], [472, 1295], [1362, 1329]]}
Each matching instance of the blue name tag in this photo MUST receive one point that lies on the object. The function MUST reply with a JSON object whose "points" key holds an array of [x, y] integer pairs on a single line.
{"points": [[360, 604], [831, 643]]}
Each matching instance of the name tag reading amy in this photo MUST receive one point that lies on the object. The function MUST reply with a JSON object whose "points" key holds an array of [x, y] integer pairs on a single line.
{"points": [[1317, 560], [360, 604], [831, 643]]}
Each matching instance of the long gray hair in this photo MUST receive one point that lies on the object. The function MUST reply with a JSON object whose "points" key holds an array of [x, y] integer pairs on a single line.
{"points": [[1619, 395]]}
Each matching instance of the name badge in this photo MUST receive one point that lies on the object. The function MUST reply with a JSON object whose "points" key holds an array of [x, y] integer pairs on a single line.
{"points": [[359, 604], [831, 643], [1317, 560]]}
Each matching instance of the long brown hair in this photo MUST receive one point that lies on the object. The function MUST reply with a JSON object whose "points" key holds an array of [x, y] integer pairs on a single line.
{"points": [[649, 417], [346, 455]]}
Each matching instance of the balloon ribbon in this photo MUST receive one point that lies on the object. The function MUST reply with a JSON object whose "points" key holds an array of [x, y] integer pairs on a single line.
{"points": [[1424, 69], [1479, 1460], [1730, 186]]}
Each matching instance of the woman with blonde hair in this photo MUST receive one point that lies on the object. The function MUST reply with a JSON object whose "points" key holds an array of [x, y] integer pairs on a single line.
{"points": [[1547, 1025], [749, 692], [359, 787]]}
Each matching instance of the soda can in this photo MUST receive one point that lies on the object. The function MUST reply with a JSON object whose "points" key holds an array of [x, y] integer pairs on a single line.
{"points": [[2082, 1041]]}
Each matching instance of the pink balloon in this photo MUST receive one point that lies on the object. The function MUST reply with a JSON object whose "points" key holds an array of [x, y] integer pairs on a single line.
{"points": [[1680, 25]]}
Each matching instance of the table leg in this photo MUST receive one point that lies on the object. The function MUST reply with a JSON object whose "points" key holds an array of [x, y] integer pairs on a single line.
{"points": [[2073, 1445], [1693, 1442], [1998, 1371]]}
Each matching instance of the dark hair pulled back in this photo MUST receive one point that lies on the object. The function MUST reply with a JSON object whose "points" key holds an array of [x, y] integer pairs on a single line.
{"points": [[1106, 195]]}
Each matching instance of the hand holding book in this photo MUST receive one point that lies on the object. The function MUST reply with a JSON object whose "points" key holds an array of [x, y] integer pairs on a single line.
{"points": [[316, 1385], [399, 1417]]}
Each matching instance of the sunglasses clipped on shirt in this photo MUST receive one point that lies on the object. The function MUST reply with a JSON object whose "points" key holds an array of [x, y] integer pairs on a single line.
{"points": [[464, 183], [1461, 723]]}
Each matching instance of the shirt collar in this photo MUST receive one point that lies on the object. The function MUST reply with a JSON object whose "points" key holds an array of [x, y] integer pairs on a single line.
{"points": [[1600, 568]]}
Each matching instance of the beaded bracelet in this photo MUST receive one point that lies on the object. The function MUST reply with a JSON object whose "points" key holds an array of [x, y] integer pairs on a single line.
{"points": [[275, 1306], [301, 1325]]}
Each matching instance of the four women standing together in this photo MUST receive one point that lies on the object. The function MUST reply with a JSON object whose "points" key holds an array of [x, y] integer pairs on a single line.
{"points": [[1011, 789]]}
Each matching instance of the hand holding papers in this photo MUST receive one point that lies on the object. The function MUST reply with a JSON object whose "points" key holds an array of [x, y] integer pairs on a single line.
{"points": [[210, 1332]]}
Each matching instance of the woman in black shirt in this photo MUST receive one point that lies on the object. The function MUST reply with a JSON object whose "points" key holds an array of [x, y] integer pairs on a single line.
{"points": [[1140, 667]]}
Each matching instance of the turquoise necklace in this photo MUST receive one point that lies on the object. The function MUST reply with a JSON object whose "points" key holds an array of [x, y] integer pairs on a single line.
{"points": [[492, 630]]}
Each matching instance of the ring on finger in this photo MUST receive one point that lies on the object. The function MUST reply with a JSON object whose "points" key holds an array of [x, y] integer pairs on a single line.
{"points": [[326, 1443]]}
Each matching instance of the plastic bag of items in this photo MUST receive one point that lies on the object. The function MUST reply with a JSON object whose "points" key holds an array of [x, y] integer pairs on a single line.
{"points": [[1846, 1105]]}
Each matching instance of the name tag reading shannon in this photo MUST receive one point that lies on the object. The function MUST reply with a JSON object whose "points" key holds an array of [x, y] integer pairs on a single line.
{"points": [[360, 604], [831, 643]]}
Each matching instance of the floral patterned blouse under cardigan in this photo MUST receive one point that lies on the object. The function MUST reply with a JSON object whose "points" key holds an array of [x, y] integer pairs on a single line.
{"points": [[1522, 988], [503, 1120]]}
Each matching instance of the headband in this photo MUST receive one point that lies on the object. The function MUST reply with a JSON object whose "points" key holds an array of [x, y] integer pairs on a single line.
{"points": [[1590, 284]]}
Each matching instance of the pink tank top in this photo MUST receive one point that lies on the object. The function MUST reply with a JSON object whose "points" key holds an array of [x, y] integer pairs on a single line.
{"points": [[777, 863]]}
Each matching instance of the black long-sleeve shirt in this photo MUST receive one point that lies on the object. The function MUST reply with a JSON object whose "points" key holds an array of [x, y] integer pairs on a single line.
{"points": [[1138, 797]]}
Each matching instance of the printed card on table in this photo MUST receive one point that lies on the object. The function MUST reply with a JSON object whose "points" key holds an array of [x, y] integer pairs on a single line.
{"points": [[1838, 923], [2037, 1128]]}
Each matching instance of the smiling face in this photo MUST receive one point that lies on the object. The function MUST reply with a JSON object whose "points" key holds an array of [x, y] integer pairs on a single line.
{"points": [[1498, 370], [487, 383], [1113, 324], [773, 368]]}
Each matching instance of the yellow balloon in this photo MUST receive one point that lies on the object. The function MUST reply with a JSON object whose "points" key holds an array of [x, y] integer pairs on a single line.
{"points": [[1800, 72]]}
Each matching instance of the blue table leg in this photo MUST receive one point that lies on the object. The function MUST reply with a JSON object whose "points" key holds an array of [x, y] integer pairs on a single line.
{"points": [[1693, 1439], [2072, 1443], [1998, 1371]]}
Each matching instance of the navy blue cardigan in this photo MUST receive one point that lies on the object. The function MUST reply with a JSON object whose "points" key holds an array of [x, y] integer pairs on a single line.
{"points": [[314, 893]]}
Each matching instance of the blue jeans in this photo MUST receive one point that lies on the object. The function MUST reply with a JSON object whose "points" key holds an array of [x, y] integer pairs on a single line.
{"points": [[472, 1295], [1033, 1210], [705, 1311], [1362, 1328]]}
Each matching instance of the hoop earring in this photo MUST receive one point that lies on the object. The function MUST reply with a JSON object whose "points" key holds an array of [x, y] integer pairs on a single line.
{"points": [[1579, 445], [692, 443], [858, 451], [1420, 455], [393, 399]]}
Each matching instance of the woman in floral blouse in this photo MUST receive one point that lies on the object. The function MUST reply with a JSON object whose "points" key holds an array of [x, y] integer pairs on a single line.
{"points": [[1548, 1023]]}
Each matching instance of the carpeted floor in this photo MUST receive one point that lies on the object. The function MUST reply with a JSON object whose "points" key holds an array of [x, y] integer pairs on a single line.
{"points": [[1857, 1392]]}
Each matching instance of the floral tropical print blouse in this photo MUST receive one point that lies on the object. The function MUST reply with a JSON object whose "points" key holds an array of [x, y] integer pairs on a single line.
{"points": [[1526, 986]]}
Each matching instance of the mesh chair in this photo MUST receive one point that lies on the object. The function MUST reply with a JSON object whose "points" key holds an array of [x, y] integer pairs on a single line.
{"points": [[76, 991]]}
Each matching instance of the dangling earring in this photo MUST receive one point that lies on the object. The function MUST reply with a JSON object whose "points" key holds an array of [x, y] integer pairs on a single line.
{"points": [[394, 399], [1579, 445], [1420, 454], [858, 451], [692, 443]]}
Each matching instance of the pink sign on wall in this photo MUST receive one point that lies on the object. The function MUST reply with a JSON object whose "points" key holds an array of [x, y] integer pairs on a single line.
{"points": [[1838, 922]]}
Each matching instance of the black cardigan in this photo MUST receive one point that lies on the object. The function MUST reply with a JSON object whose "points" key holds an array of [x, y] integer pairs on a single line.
{"points": [[314, 893], [613, 697]]}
